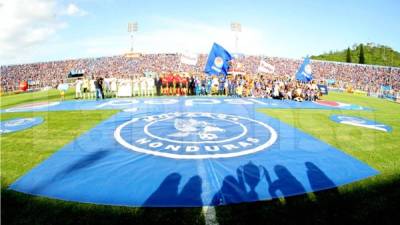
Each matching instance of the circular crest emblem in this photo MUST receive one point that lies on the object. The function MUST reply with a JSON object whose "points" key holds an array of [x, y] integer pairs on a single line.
{"points": [[351, 119], [308, 69], [18, 122], [218, 62], [195, 135]]}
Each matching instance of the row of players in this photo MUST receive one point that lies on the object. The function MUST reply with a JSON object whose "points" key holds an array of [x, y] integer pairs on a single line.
{"points": [[169, 84], [175, 84], [90, 88]]}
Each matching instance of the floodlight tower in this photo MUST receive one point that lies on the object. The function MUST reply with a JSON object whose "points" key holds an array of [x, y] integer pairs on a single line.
{"points": [[236, 28], [132, 28]]}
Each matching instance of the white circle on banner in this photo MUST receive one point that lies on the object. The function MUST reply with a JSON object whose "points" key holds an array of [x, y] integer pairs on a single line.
{"points": [[195, 135], [218, 62], [308, 69]]}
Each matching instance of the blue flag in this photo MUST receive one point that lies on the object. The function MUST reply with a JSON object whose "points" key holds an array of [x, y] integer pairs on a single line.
{"points": [[305, 73], [218, 60]]}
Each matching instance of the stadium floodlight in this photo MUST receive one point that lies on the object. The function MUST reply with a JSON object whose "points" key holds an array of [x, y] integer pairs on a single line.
{"points": [[132, 28], [236, 28]]}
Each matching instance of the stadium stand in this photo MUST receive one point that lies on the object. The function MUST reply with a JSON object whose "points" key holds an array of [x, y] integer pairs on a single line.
{"points": [[342, 76]]}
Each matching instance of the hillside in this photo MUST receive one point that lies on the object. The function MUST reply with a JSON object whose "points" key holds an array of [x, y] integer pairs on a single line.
{"points": [[374, 55]]}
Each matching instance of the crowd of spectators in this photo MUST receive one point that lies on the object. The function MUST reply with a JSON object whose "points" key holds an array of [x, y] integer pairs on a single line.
{"points": [[342, 75]]}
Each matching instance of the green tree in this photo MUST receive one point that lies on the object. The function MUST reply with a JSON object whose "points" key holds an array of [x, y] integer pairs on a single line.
{"points": [[348, 55], [361, 56], [375, 55]]}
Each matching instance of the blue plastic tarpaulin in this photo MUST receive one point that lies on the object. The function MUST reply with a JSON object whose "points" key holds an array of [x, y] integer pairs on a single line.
{"points": [[190, 153]]}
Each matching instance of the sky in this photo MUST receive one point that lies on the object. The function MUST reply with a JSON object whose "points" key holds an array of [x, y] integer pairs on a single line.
{"points": [[49, 30]]}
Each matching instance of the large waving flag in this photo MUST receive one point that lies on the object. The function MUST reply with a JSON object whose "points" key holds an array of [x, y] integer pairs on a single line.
{"points": [[218, 60], [305, 72]]}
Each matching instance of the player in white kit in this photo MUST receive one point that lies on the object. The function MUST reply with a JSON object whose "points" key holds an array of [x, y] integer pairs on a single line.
{"points": [[78, 88], [135, 86], [150, 86], [143, 86]]}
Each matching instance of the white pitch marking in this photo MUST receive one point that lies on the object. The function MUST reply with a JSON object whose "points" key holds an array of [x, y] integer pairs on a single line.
{"points": [[210, 216]]}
